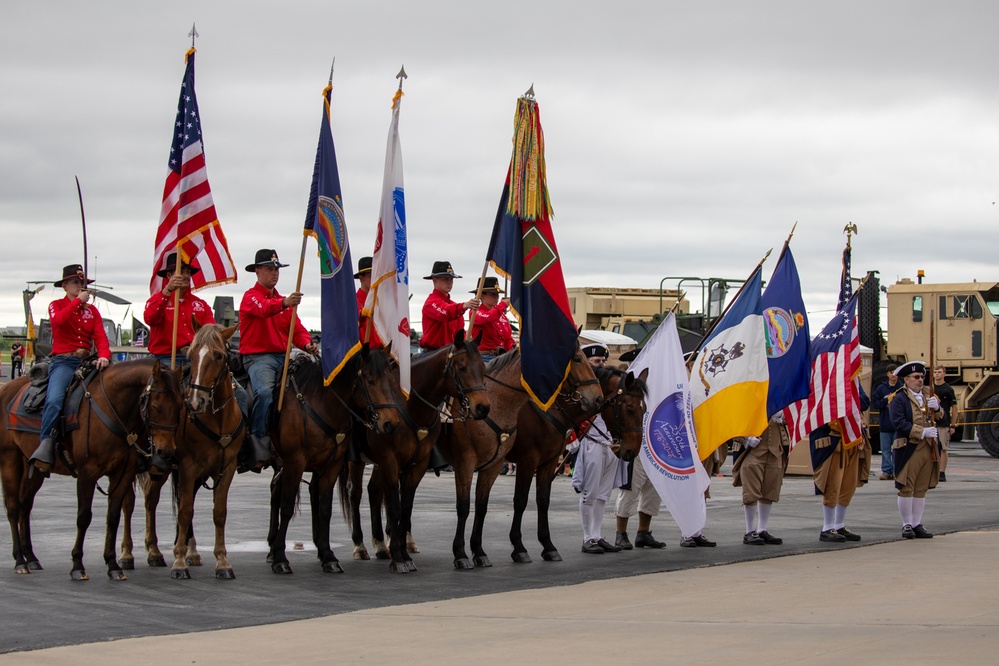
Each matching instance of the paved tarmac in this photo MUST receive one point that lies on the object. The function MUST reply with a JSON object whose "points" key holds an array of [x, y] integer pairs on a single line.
{"points": [[894, 601]]}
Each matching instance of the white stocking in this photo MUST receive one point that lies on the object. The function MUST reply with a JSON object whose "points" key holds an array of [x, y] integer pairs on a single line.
{"points": [[597, 518], [905, 510], [765, 508], [840, 519], [828, 518], [750, 516], [918, 504]]}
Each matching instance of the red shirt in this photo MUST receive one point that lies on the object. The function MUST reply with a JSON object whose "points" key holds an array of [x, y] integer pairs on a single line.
{"points": [[442, 319], [159, 318], [264, 322], [495, 327], [76, 325], [364, 324]]}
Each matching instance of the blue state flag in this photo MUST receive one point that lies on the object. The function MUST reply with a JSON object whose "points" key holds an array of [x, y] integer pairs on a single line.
{"points": [[785, 327], [324, 221]]}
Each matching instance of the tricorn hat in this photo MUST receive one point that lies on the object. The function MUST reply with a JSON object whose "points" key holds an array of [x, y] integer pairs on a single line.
{"points": [[910, 368], [363, 266], [490, 284], [595, 349], [265, 258], [630, 355], [171, 266], [441, 269], [73, 271]]}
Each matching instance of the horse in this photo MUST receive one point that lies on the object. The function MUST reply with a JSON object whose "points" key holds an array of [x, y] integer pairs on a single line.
{"points": [[542, 436], [456, 372], [311, 434], [209, 438], [481, 446], [122, 402]]}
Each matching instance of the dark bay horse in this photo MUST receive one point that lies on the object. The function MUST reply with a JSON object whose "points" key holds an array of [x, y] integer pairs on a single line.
{"points": [[125, 402], [211, 432], [481, 446], [542, 437], [456, 372], [311, 434]]}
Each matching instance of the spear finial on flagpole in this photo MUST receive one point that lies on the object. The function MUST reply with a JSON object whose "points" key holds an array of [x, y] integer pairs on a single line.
{"points": [[193, 34], [530, 93], [401, 76], [331, 70]]}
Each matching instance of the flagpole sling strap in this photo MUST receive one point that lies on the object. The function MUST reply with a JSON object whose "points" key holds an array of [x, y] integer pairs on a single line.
{"points": [[291, 325]]}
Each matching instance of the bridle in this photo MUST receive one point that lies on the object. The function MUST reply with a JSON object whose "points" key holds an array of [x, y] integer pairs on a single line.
{"points": [[573, 396], [223, 375]]}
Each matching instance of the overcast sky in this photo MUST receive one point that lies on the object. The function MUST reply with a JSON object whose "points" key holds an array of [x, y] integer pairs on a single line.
{"points": [[682, 138]]}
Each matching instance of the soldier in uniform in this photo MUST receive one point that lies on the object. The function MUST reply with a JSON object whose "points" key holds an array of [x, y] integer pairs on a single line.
{"points": [[491, 321], [159, 313], [442, 317], [759, 469], [264, 321], [916, 447], [365, 327], [76, 327]]}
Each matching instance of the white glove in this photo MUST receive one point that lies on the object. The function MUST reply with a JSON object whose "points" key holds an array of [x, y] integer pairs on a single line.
{"points": [[930, 433], [779, 417], [933, 403], [752, 442]]}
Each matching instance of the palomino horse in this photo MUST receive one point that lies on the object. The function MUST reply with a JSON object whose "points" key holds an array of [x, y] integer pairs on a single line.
{"points": [[208, 441], [481, 446], [311, 434], [455, 371], [542, 436], [124, 401]]}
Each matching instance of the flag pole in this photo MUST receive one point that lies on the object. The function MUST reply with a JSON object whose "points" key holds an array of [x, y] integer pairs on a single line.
{"points": [[478, 296], [176, 314], [734, 299], [291, 325]]}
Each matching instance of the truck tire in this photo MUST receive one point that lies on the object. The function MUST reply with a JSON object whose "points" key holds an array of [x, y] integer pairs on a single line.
{"points": [[988, 428]]}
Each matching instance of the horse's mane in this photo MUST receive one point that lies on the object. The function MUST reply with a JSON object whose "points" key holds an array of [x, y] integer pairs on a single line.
{"points": [[208, 335], [309, 372], [500, 363], [604, 373]]}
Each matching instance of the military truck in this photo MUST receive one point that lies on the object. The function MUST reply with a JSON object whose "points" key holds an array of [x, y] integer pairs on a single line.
{"points": [[961, 320]]}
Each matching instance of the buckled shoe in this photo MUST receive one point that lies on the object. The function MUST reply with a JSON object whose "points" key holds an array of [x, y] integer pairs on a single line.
{"points": [[908, 532], [770, 539], [753, 539], [592, 547], [831, 536], [921, 532], [850, 536], [608, 546]]}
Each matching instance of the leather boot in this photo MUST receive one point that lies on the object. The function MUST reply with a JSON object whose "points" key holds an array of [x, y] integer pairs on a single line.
{"points": [[261, 452], [621, 539], [646, 540], [44, 456]]}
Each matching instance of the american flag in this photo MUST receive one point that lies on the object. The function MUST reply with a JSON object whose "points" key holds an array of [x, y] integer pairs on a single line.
{"points": [[188, 221]]}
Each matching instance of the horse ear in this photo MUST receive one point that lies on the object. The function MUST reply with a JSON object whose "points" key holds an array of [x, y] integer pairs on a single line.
{"points": [[227, 333], [578, 331], [195, 324], [644, 376], [365, 351], [459, 337], [388, 348], [478, 338]]}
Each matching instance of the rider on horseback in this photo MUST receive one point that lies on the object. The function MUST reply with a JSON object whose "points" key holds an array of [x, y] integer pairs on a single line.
{"points": [[159, 313], [76, 328], [490, 319], [264, 321], [442, 317]]}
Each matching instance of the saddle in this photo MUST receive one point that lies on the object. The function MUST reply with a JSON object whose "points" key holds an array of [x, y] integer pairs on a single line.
{"points": [[24, 413]]}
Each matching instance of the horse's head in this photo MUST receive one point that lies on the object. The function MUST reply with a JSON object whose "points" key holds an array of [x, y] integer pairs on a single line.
{"points": [[465, 374], [624, 409], [209, 357], [160, 406], [581, 385], [377, 391]]}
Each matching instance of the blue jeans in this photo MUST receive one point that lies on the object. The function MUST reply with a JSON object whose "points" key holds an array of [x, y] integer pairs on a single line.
{"points": [[61, 369], [264, 371], [165, 359], [887, 462]]}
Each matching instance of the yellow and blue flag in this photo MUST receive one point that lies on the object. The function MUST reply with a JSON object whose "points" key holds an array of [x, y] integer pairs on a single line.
{"points": [[788, 342]]}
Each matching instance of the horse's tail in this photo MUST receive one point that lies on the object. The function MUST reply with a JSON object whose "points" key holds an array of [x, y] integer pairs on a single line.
{"points": [[343, 485]]}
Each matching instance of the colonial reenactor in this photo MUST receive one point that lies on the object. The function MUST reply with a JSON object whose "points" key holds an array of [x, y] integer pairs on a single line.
{"points": [[76, 328], [759, 469], [442, 317], [836, 472], [159, 312], [916, 447], [491, 321], [264, 321], [365, 327]]}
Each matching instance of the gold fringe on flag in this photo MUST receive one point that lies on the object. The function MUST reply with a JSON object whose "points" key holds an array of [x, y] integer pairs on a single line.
{"points": [[528, 198]]}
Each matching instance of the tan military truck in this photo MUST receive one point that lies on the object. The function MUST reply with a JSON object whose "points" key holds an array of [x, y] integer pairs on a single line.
{"points": [[961, 320]]}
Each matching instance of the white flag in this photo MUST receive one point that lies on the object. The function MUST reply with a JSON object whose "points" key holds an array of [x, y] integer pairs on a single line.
{"points": [[388, 300], [669, 449]]}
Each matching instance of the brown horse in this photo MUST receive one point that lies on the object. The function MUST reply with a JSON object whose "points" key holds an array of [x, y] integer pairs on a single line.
{"points": [[481, 446], [123, 402], [541, 440], [311, 434], [211, 432], [456, 372]]}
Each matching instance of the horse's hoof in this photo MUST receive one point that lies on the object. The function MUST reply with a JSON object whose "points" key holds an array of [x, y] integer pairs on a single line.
{"points": [[482, 561], [128, 564], [411, 565], [361, 555], [79, 574], [332, 567], [281, 568], [22, 569], [520, 557], [193, 560], [180, 574], [156, 561], [225, 574], [412, 548], [551, 556], [382, 555], [399, 568], [463, 563], [116, 574], [35, 565]]}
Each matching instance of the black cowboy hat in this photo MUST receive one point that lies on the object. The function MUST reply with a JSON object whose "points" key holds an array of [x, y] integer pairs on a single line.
{"points": [[265, 258], [441, 269], [490, 284], [171, 267], [73, 271], [363, 266]]}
